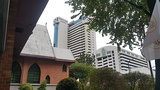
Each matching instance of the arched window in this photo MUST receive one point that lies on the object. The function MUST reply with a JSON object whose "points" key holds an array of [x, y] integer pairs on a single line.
{"points": [[64, 68], [16, 73], [33, 74], [47, 79]]}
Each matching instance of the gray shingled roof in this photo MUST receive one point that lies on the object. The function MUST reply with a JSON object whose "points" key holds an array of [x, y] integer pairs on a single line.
{"points": [[39, 44], [63, 53]]}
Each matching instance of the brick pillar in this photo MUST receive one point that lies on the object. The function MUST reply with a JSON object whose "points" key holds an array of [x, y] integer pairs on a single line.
{"points": [[24, 69], [7, 56], [67, 73]]}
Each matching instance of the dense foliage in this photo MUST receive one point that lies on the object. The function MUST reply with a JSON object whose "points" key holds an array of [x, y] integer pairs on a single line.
{"points": [[139, 80], [106, 79], [109, 79], [123, 20], [80, 71], [26, 86], [68, 84], [85, 58]]}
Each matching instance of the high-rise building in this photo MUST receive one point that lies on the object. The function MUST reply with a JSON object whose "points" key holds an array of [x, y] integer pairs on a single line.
{"points": [[60, 32], [79, 39], [74, 36], [122, 61]]}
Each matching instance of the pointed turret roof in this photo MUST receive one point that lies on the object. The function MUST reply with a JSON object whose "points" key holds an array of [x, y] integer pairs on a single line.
{"points": [[39, 45]]}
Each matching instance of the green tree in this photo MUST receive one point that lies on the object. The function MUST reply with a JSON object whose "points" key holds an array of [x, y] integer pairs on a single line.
{"points": [[42, 86], [106, 79], [139, 81], [123, 20], [86, 58], [68, 84], [80, 71]]}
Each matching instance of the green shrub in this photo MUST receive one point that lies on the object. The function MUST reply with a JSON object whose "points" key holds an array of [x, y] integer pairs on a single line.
{"points": [[26, 86], [68, 84], [42, 86]]}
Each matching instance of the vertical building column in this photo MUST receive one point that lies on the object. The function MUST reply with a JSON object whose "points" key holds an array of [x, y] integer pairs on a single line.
{"points": [[7, 55], [68, 65], [24, 69], [55, 43]]}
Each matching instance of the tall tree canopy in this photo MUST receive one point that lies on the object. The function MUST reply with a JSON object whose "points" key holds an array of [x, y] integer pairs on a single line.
{"points": [[123, 20], [106, 79], [138, 80], [80, 71], [86, 59]]}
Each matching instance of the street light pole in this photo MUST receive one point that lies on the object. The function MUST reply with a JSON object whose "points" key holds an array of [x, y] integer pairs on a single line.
{"points": [[157, 63], [150, 66]]}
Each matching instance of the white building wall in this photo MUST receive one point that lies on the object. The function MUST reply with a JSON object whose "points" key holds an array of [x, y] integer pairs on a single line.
{"points": [[62, 32], [130, 60], [111, 55], [122, 61], [93, 42]]}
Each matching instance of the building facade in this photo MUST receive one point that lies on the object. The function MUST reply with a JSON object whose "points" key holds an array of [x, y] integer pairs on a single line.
{"points": [[39, 61], [74, 35], [122, 61], [79, 39], [60, 32], [34, 70], [15, 28]]}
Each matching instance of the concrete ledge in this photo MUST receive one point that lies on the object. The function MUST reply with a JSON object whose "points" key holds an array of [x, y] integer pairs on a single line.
{"points": [[15, 86]]}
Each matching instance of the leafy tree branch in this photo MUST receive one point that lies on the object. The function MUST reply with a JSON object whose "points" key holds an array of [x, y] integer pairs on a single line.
{"points": [[123, 21], [139, 7]]}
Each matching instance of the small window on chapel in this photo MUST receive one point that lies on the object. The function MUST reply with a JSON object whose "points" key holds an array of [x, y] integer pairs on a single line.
{"points": [[64, 68], [47, 79], [16, 73], [34, 74]]}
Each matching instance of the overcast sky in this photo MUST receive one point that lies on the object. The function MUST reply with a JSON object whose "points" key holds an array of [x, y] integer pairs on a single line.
{"points": [[57, 8]]}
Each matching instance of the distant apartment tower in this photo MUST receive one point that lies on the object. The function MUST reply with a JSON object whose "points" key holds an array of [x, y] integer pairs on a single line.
{"points": [[79, 39], [122, 61], [60, 32]]}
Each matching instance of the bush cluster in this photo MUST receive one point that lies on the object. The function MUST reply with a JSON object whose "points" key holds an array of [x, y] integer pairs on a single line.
{"points": [[68, 84], [28, 86]]}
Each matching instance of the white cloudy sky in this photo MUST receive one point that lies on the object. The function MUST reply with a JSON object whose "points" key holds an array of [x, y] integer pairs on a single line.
{"points": [[57, 8]]}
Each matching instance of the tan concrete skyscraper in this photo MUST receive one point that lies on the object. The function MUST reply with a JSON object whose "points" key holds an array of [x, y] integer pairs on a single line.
{"points": [[79, 39]]}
